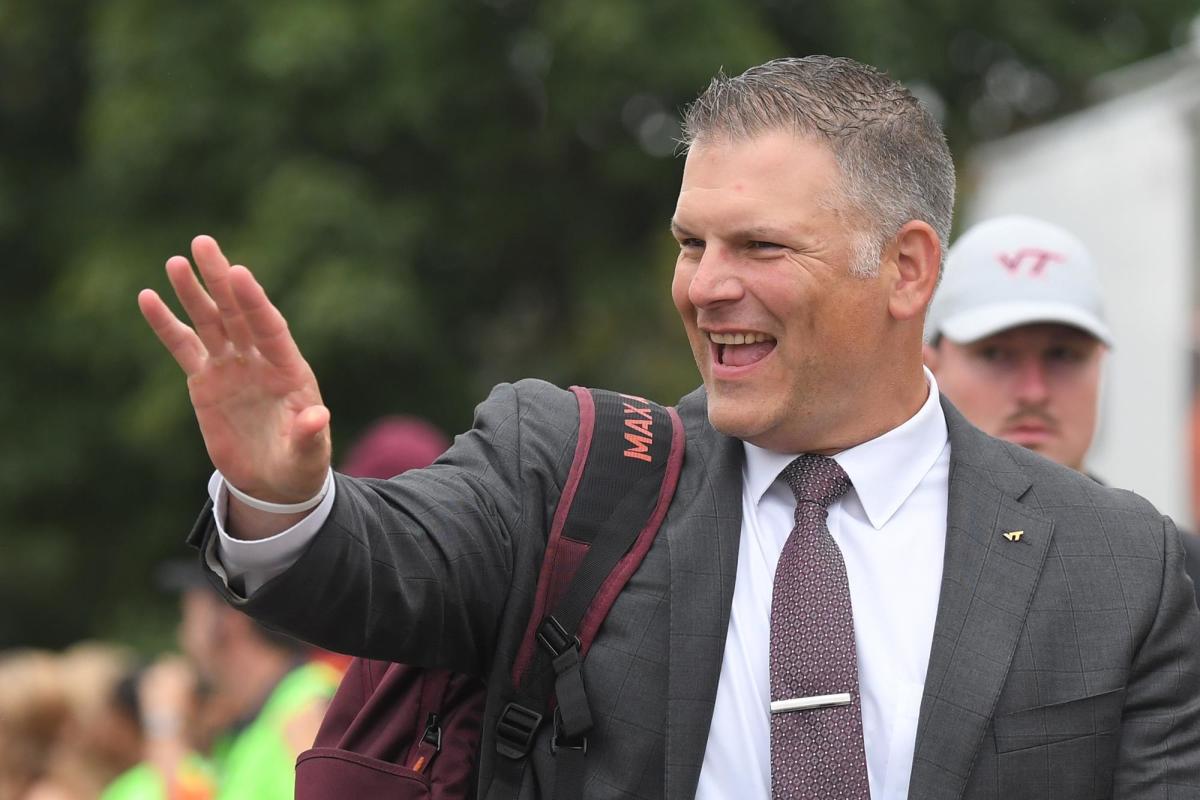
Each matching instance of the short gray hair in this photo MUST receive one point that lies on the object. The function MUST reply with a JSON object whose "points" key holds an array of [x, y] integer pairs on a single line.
{"points": [[891, 151]]}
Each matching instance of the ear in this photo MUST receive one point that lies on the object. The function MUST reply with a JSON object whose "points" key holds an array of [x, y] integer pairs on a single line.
{"points": [[915, 260]]}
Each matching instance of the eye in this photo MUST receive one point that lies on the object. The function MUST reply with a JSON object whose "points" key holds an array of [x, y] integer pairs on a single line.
{"points": [[763, 246], [690, 248], [993, 354], [1064, 354]]}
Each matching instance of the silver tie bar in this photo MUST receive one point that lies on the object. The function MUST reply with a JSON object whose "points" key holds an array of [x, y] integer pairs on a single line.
{"points": [[809, 703]]}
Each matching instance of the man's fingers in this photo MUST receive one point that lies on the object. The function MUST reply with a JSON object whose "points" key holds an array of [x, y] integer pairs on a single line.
{"points": [[214, 269], [267, 326], [180, 340], [199, 306]]}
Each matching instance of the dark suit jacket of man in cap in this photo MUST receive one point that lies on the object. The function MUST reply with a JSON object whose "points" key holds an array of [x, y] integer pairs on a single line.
{"points": [[1191, 544], [1064, 665]]}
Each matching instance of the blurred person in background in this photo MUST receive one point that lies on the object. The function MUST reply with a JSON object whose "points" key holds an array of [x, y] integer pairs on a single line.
{"points": [[64, 732], [34, 709], [393, 445], [1016, 336], [166, 702], [278, 693], [262, 700], [102, 737]]}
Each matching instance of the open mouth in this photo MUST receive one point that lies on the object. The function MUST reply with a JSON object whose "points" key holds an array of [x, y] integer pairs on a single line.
{"points": [[741, 348]]}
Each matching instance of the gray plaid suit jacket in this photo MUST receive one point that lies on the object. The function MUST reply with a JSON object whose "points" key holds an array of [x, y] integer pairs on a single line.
{"points": [[1065, 665]]}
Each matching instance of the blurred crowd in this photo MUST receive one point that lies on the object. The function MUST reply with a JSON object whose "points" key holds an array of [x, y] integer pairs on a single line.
{"points": [[94, 721], [68, 721], [224, 717]]}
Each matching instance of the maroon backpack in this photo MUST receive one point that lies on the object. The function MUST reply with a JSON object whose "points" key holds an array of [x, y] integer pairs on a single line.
{"points": [[396, 731]]}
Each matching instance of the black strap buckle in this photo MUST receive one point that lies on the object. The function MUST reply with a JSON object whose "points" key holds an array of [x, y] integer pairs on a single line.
{"points": [[515, 730], [433, 733], [554, 637], [561, 742]]}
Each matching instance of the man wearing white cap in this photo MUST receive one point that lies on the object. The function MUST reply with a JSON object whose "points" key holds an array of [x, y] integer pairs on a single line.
{"points": [[1016, 336]]}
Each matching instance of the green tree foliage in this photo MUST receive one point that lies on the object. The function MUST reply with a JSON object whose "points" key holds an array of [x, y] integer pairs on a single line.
{"points": [[440, 196]]}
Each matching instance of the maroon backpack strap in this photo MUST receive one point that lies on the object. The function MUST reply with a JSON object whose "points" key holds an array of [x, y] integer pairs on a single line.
{"points": [[603, 601], [627, 463], [563, 556], [565, 553]]}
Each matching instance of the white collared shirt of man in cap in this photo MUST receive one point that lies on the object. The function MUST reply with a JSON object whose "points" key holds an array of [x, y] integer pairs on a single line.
{"points": [[1016, 335]]}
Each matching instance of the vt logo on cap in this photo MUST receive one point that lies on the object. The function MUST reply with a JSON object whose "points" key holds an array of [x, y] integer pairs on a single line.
{"points": [[1036, 257], [984, 288]]}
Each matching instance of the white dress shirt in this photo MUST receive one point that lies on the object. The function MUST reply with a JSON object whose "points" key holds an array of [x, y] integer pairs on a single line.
{"points": [[256, 561], [891, 528]]}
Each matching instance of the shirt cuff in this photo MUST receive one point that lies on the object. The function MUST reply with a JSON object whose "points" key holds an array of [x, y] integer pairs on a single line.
{"points": [[253, 562]]}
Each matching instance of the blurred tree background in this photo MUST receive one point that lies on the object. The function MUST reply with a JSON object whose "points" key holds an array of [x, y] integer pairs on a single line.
{"points": [[439, 196]]}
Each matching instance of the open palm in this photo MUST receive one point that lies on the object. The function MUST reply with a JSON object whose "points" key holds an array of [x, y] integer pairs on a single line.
{"points": [[256, 399]]}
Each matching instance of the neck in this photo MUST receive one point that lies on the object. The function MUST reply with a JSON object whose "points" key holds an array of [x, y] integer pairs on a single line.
{"points": [[904, 400], [893, 391]]}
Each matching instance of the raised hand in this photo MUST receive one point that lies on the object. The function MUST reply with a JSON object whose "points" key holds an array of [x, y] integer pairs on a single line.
{"points": [[255, 396]]}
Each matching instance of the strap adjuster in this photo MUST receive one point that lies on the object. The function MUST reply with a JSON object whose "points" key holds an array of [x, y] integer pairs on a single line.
{"points": [[515, 730], [562, 742], [554, 637]]}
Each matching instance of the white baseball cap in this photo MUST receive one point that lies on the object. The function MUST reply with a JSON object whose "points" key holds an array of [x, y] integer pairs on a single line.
{"points": [[1012, 271]]}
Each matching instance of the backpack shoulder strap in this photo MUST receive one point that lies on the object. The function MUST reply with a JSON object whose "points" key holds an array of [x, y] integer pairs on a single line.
{"points": [[628, 457], [636, 456]]}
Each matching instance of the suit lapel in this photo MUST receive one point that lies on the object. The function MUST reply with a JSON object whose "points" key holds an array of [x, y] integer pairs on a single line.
{"points": [[703, 531], [988, 581]]}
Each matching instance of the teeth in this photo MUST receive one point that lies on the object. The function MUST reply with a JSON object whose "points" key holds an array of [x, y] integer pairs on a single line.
{"points": [[739, 338]]}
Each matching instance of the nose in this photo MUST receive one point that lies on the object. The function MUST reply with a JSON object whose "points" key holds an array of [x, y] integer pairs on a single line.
{"points": [[715, 279], [1032, 384]]}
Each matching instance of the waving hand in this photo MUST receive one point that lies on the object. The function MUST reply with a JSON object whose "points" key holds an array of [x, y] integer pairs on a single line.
{"points": [[255, 396]]}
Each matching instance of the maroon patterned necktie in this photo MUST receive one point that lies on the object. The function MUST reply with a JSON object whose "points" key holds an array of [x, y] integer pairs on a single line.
{"points": [[816, 713]]}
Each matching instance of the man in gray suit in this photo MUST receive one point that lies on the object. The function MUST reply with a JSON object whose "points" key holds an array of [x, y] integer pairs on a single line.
{"points": [[1017, 630]]}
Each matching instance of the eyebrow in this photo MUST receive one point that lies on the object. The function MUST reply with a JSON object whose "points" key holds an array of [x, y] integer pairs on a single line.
{"points": [[753, 233], [759, 233], [678, 230]]}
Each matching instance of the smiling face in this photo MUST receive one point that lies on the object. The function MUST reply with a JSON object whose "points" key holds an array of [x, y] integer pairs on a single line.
{"points": [[1033, 385], [797, 353]]}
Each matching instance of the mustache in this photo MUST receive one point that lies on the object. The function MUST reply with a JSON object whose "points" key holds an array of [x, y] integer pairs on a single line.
{"points": [[1026, 416]]}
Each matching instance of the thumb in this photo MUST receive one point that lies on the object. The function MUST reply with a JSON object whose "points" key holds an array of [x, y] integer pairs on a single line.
{"points": [[310, 433]]}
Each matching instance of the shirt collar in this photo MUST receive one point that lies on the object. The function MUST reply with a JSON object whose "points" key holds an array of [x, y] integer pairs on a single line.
{"points": [[884, 470]]}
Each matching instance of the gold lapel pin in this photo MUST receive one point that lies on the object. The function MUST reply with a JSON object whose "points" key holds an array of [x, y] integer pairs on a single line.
{"points": [[1014, 536]]}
